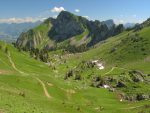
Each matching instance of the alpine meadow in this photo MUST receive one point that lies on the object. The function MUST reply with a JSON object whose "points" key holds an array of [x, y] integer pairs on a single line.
{"points": [[61, 61]]}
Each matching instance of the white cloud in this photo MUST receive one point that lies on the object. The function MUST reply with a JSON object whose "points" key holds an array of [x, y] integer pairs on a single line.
{"points": [[140, 21], [55, 16], [20, 20], [57, 9], [87, 17], [119, 21], [77, 10]]}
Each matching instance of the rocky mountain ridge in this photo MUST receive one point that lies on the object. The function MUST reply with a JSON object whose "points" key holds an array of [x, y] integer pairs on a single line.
{"points": [[69, 30]]}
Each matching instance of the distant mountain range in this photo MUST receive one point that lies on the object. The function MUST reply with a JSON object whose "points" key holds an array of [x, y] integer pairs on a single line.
{"points": [[10, 32], [109, 23], [129, 25]]}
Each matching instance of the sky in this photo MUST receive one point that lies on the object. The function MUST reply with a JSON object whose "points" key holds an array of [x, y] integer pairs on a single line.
{"points": [[121, 11]]}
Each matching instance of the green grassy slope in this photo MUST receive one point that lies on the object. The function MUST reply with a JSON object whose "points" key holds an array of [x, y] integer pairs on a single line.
{"points": [[119, 54], [121, 51], [21, 90]]}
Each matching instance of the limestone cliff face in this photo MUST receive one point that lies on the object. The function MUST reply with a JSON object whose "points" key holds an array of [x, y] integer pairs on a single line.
{"points": [[66, 26], [34, 37], [30, 39]]}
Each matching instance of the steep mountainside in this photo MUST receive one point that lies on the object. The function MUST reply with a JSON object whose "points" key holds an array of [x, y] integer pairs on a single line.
{"points": [[34, 37], [67, 30]]}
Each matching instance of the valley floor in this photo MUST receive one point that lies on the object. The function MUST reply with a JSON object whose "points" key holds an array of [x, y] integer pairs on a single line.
{"points": [[30, 86]]}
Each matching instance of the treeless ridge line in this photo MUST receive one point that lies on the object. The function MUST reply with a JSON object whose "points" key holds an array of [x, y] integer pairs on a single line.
{"points": [[44, 88]]}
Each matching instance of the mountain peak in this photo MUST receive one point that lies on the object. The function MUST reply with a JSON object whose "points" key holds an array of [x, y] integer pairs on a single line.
{"points": [[66, 25], [66, 15]]}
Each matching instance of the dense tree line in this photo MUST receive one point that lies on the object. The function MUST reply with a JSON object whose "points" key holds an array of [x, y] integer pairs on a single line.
{"points": [[35, 52], [74, 49], [39, 54]]}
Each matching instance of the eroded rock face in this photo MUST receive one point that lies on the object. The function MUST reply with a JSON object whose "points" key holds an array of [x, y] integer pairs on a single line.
{"points": [[98, 30], [29, 40], [34, 37]]}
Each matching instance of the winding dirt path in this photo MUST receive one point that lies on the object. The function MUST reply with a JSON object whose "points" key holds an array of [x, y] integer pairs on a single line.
{"points": [[133, 107], [49, 84], [122, 69], [21, 72], [44, 88], [3, 72], [112, 69], [13, 64]]}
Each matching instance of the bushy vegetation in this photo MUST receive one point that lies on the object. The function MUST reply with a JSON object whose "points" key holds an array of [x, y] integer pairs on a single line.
{"points": [[39, 54]]}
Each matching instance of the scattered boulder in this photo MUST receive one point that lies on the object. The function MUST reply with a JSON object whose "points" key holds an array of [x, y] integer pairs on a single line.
{"points": [[136, 76], [120, 84], [22, 94], [142, 97], [98, 82], [69, 74], [130, 98], [78, 108], [111, 89], [96, 79], [113, 50]]}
